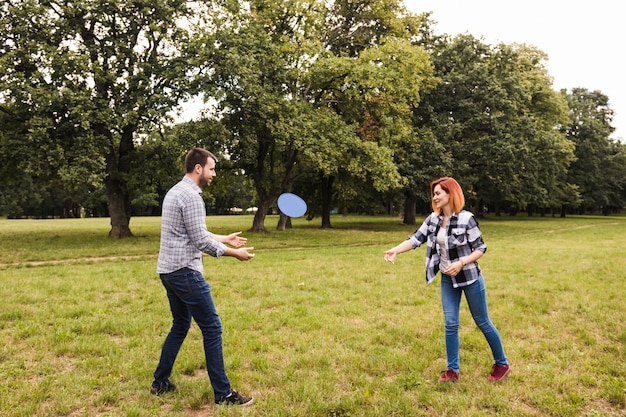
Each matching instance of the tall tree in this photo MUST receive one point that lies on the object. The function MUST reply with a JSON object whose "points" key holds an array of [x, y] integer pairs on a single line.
{"points": [[118, 67], [251, 61], [496, 115], [372, 77], [375, 91], [590, 129], [279, 69]]}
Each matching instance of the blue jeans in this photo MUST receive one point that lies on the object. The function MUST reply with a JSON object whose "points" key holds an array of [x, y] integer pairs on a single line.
{"points": [[476, 296], [190, 296]]}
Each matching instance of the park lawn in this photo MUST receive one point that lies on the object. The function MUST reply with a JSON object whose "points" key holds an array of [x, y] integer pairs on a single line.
{"points": [[317, 324]]}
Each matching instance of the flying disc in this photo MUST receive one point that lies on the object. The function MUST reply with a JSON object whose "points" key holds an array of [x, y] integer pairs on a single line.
{"points": [[291, 205]]}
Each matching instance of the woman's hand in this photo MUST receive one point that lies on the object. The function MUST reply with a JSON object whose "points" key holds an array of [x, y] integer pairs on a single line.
{"points": [[390, 256], [454, 268]]}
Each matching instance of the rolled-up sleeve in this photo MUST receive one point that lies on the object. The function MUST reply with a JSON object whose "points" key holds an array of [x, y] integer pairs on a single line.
{"points": [[475, 236], [419, 237]]}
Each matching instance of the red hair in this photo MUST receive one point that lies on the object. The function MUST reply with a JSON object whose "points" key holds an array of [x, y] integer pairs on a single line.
{"points": [[454, 190]]}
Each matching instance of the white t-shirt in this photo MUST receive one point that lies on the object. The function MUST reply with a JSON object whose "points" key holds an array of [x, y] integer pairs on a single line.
{"points": [[442, 238]]}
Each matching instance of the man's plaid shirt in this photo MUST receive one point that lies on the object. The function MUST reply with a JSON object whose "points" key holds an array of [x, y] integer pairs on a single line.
{"points": [[184, 235], [464, 236]]}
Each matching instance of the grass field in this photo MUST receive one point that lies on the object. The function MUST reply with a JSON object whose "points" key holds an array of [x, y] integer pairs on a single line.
{"points": [[317, 324]]}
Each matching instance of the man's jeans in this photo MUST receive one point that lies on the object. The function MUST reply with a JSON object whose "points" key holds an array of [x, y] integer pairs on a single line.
{"points": [[190, 296], [476, 296]]}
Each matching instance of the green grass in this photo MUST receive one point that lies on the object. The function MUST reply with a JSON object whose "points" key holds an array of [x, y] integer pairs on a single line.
{"points": [[317, 324]]}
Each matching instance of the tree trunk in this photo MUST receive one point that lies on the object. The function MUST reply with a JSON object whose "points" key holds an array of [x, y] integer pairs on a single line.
{"points": [[116, 181], [478, 208], [284, 222], [119, 208], [258, 224], [410, 208], [327, 192]]}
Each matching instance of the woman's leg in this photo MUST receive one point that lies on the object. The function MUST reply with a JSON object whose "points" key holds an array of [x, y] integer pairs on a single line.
{"points": [[476, 295], [451, 301]]}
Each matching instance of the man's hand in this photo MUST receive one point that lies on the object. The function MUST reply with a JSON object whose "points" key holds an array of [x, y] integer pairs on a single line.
{"points": [[234, 240], [243, 254]]}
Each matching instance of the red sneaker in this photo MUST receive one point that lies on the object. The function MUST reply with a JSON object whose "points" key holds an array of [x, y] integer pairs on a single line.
{"points": [[499, 372], [449, 376]]}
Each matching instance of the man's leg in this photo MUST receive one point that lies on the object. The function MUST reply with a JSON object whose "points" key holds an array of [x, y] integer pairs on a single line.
{"points": [[203, 311], [181, 322]]}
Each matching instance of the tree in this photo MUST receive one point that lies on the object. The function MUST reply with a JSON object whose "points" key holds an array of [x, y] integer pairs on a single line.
{"points": [[279, 70], [251, 71], [159, 163], [594, 168], [87, 78], [496, 115], [616, 178], [372, 78], [18, 190], [376, 92]]}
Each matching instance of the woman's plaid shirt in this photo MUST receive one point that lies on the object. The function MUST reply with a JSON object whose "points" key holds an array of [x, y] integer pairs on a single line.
{"points": [[184, 235], [464, 236]]}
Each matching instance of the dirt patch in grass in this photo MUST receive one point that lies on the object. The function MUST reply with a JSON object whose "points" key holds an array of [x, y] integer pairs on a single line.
{"points": [[77, 260]]}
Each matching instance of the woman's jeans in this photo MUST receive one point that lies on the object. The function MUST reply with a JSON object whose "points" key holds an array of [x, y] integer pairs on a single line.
{"points": [[475, 294], [190, 296]]}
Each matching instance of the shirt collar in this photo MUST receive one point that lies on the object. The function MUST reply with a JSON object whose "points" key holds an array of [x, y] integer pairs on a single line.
{"points": [[192, 184], [440, 215]]}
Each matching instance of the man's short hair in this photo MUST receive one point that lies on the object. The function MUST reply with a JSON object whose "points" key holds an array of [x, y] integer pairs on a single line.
{"points": [[197, 156]]}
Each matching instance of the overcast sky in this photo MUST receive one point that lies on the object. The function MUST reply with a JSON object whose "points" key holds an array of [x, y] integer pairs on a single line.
{"points": [[584, 39]]}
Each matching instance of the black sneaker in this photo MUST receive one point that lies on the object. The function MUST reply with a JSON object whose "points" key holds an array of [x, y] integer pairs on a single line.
{"points": [[234, 398], [159, 388]]}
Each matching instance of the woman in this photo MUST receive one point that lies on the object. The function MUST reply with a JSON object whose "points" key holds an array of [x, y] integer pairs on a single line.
{"points": [[454, 243]]}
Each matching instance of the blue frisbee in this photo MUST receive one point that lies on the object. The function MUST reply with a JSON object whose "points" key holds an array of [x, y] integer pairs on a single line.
{"points": [[291, 205]]}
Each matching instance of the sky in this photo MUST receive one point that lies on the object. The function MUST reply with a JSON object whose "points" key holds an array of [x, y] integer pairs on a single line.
{"points": [[583, 39]]}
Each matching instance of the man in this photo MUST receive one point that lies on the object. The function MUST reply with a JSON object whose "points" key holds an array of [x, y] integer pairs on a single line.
{"points": [[184, 238]]}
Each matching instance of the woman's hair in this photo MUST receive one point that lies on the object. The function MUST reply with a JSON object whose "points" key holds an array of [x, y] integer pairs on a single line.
{"points": [[197, 156], [450, 186]]}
